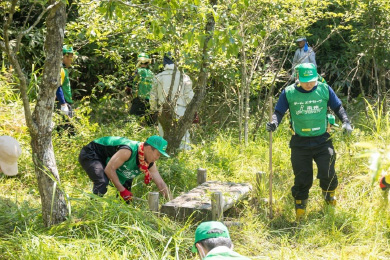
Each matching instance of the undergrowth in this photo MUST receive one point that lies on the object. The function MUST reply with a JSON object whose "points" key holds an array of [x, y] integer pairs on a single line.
{"points": [[107, 228]]}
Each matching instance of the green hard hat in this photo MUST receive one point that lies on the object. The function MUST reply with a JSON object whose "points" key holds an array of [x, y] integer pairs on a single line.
{"points": [[307, 72], [158, 143], [203, 231], [143, 58], [143, 55], [67, 49]]}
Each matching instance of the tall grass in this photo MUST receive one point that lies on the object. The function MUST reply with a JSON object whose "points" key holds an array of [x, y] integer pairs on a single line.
{"points": [[106, 228]]}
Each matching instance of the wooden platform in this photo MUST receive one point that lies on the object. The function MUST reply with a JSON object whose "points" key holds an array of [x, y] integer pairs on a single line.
{"points": [[197, 202]]}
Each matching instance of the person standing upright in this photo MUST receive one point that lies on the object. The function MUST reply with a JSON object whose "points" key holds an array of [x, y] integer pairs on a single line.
{"points": [[304, 53], [141, 82], [181, 94], [64, 92], [308, 101]]}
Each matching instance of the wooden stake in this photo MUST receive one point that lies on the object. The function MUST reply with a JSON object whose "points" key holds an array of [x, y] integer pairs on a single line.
{"points": [[153, 199], [270, 160], [202, 175], [217, 204]]}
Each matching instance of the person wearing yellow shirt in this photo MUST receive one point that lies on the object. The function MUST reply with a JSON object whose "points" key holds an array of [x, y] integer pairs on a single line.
{"points": [[64, 91]]}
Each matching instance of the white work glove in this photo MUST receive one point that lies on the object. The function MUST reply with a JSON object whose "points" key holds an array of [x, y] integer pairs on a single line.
{"points": [[347, 128], [65, 109]]}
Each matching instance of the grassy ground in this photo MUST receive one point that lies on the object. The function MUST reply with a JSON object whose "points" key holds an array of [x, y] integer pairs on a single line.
{"points": [[106, 228]]}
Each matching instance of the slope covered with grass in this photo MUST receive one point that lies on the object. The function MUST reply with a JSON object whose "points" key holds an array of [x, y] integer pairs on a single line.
{"points": [[106, 228]]}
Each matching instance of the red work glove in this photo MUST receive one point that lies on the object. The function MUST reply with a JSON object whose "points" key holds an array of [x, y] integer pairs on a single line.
{"points": [[383, 184], [126, 195]]}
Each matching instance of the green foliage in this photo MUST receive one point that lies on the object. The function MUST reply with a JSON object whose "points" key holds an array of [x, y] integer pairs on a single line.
{"points": [[108, 36], [8, 88], [107, 228], [376, 148], [33, 86]]}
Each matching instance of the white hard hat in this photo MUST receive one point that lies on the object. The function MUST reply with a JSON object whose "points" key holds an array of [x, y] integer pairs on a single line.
{"points": [[9, 153], [302, 38]]}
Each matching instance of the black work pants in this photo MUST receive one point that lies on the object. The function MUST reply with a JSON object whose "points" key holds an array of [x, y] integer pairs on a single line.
{"points": [[95, 170], [302, 163], [141, 107], [94, 166]]}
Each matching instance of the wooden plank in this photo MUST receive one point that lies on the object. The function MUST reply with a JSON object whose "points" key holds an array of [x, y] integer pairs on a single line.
{"points": [[197, 202]]}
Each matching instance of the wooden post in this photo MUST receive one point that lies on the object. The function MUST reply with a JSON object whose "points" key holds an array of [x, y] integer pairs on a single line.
{"points": [[217, 204], [153, 199], [202, 175], [270, 161]]}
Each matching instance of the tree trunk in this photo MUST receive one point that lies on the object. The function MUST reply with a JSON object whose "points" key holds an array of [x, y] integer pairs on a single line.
{"points": [[240, 109], [54, 208], [174, 130], [377, 83], [383, 85], [245, 86]]}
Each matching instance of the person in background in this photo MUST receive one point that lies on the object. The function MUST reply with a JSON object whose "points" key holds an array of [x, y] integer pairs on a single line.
{"points": [[212, 241], [120, 160], [308, 101], [9, 153], [64, 91], [140, 85], [304, 53], [181, 94]]}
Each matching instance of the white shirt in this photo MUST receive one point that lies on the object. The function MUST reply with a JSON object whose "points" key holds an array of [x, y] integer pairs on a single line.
{"points": [[183, 92], [304, 57]]}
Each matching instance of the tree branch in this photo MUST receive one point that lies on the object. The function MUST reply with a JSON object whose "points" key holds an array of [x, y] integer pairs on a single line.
{"points": [[24, 25], [14, 61], [7, 24], [23, 33]]}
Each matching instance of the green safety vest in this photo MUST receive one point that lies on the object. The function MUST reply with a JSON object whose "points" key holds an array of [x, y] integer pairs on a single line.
{"points": [[65, 84], [224, 255], [308, 110], [145, 82], [129, 169]]}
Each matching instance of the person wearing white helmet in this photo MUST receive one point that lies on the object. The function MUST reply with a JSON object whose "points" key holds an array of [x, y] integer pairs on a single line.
{"points": [[9, 153], [304, 53]]}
